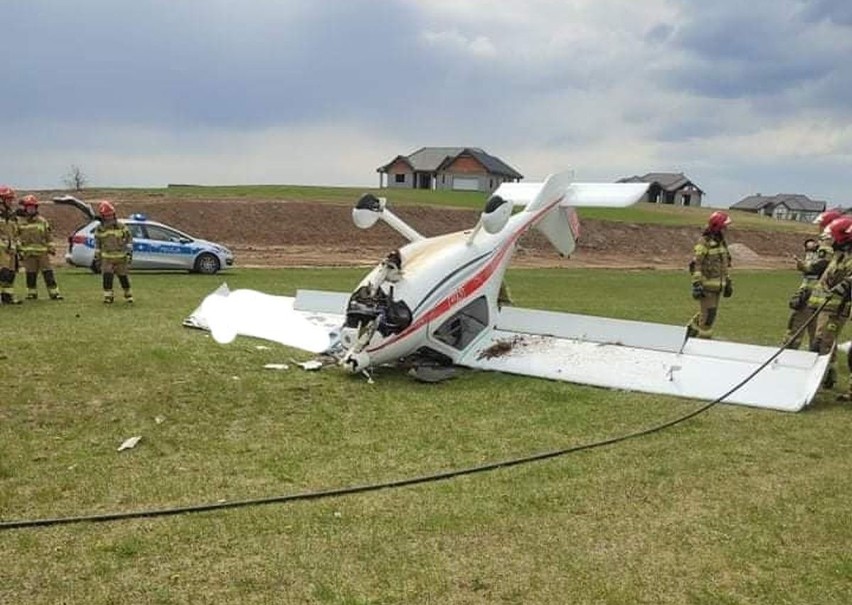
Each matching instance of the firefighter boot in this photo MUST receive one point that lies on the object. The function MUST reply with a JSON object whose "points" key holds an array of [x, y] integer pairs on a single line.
{"points": [[52, 288], [7, 298], [830, 378], [7, 294], [32, 293], [125, 285]]}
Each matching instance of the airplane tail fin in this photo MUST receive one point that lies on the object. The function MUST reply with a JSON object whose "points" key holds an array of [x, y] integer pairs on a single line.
{"points": [[561, 227]]}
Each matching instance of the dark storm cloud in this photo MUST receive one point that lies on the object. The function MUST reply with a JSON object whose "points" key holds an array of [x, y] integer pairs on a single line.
{"points": [[835, 11], [762, 50], [222, 63]]}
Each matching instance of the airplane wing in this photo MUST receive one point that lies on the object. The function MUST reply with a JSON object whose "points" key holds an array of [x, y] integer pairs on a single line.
{"points": [[597, 351], [309, 321], [646, 357]]}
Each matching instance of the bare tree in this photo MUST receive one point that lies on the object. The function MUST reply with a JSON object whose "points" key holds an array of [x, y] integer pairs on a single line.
{"points": [[75, 179]]}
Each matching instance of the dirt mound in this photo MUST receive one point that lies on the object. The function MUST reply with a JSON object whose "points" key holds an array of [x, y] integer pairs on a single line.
{"points": [[298, 233]]}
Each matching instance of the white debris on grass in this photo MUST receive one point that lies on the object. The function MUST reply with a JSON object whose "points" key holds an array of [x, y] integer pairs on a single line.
{"points": [[312, 365], [129, 443], [276, 366]]}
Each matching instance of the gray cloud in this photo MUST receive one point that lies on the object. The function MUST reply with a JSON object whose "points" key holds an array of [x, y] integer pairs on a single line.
{"points": [[313, 90], [208, 62], [838, 12], [763, 49]]}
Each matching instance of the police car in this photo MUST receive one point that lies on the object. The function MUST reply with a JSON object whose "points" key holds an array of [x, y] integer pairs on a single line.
{"points": [[155, 245]]}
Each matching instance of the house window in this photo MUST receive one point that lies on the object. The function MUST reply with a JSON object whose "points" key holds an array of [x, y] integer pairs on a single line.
{"points": [[399, 177], [781, 213]]}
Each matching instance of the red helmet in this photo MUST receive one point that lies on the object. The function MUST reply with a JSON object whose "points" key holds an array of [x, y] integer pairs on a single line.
{"points": [[29, 200], [824, 219], [106, 209], [840, 230], [6, 193], [718, 221]]}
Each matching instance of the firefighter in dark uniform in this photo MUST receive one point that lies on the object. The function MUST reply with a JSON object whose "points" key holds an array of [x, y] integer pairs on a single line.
{"points": [[818, 253], [831, 296], [113, 250], [710, 280], [35, 246], [8, 246]]}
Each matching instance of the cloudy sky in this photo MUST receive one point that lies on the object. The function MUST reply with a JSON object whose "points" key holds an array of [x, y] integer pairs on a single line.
{"points": [[743, 97]]}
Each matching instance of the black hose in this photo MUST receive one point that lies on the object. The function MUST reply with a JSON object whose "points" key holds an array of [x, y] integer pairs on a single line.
{"points": [[373, 487]]}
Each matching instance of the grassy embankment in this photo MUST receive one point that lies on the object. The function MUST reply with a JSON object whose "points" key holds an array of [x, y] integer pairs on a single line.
{"points": [[639, 214]]}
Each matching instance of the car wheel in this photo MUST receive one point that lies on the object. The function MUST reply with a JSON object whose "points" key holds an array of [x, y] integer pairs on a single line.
{"points": [[96, 267], [207, 264]]}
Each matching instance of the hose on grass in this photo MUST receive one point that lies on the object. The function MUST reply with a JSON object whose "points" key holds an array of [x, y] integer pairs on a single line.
{"points": [[404, 482]]}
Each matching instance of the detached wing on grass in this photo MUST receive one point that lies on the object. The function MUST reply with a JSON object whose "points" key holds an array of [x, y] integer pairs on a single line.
{"points": [[283, 319], [646, 357]]}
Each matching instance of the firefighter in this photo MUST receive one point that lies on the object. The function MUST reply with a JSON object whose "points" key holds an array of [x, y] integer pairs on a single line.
{"points": [[114, 251], [818, 253], [831, 296], [710, 280], [35, 248], [8, 246]]}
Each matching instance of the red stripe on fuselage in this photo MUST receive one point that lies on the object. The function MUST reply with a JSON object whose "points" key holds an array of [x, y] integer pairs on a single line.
{"points": [[466, 289]]}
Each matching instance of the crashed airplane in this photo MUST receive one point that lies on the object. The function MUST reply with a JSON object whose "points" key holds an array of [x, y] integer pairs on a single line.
{"points": [[438, 300]]}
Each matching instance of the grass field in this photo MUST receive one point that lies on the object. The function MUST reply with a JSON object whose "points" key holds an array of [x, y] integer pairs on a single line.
{"points": [[735, 506], [639, 214]]}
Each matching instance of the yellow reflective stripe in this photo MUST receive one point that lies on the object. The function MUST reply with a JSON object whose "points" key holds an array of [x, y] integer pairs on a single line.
{"points": [[115, 231]]}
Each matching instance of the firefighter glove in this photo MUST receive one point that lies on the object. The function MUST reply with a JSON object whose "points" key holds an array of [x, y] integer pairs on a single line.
{"points": [[799, 299], [841, 289], [697, 290], [728, 290]]}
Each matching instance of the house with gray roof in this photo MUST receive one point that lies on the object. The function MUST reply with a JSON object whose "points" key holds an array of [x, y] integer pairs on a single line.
{"points": [[782, 206], [672, 188], [453, 168]]}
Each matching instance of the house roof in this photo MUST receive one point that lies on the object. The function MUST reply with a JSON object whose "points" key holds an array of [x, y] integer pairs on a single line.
{"points": [[431, 159], [793, 201], [670, 181]]}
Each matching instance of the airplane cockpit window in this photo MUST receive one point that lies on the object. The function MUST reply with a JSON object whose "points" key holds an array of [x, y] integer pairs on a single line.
{"points": [[465, 325]]}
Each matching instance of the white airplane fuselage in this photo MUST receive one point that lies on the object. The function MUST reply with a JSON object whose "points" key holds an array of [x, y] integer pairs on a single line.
{"points": [[437, 278]]}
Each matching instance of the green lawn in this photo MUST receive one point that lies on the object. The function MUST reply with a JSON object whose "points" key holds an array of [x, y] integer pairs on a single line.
{"points": [[735, 506]]}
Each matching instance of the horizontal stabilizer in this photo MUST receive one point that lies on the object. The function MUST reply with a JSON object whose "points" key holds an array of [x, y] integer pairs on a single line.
{"points": [[611, 195], [605, 195], [646, 357]]}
